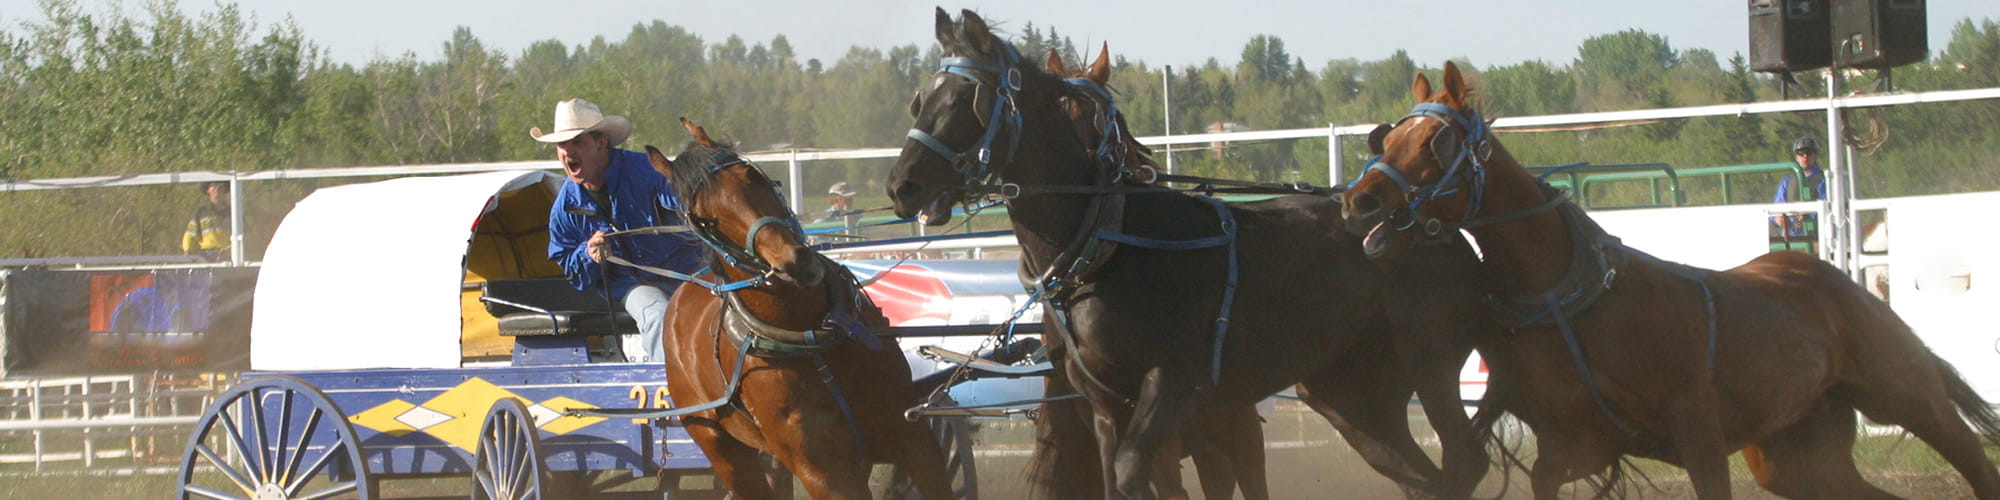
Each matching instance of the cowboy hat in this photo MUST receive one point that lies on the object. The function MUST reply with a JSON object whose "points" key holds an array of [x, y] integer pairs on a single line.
{"points": [[840, 189], [577, 116]]}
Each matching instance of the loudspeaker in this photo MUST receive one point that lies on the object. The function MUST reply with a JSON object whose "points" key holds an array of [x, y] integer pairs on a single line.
{"points": [[1788, 35], [1878, 34]]}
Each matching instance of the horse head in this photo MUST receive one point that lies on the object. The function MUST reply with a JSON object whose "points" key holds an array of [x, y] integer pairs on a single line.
{"points": [[1096, 119], [969, 121], [731, 203], [1428, 173]]}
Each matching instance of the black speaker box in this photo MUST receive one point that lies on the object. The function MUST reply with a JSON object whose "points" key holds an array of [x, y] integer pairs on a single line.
{"points": [[1788, 35], [1878, 34]]}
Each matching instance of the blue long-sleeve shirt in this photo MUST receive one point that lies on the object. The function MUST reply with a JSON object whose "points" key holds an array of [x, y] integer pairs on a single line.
{"points": [[634, 191]]}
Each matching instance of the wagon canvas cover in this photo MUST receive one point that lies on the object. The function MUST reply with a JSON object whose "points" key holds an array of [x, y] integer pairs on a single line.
{"points": [[374, 275]]}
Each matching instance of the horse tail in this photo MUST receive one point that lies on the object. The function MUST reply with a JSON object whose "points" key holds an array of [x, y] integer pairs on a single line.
{"points": [[1970, 405], [1506, 455]]}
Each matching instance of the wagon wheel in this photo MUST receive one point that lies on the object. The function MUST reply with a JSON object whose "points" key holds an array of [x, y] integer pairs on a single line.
{"points": [[273, 437], [508, 463], [954, 435]]}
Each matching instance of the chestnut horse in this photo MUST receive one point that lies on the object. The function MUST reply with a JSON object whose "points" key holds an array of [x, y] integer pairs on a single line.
{"points": [[1154, 336], [811, 386], [1618, 353]]}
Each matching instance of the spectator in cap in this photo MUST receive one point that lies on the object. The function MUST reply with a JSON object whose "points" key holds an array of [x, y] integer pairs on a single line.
{"points": [[609, 190], [1805, 152], [840, 206]]}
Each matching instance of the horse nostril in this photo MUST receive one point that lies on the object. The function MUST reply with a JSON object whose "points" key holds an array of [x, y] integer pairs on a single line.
{"points": [[904, 190], [1365, 205]]}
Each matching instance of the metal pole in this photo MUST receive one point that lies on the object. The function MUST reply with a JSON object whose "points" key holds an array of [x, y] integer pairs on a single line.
{"points": [[1834, 209], [1333, 177], [1167, 103], [798, 177], [235, 220]]}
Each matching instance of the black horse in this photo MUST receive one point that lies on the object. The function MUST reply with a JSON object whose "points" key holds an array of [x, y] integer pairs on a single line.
{"points": [[1153, 312]]}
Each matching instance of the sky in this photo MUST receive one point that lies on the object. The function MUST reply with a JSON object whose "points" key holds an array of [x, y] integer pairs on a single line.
{"points": [[1179, 32]]}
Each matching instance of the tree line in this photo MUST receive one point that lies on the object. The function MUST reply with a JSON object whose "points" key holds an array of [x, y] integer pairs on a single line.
{"points": [[164, 90]]}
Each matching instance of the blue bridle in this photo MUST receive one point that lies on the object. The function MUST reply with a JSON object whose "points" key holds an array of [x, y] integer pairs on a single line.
{"points": [[744, 257], [976, 162], [1466, 170]]}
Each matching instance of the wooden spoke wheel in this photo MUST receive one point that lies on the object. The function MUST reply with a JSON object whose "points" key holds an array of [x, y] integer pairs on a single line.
{"points": [[273, 438], [508, 464]]}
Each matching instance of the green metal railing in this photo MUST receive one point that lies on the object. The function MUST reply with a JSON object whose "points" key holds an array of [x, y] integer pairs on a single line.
{"points": [[1663, 182]]}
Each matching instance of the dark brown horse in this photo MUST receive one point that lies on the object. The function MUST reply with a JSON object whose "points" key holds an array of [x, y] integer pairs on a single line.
{"points": [[824, 404], [1618, 353], [1227, 445], [1136, 326]]}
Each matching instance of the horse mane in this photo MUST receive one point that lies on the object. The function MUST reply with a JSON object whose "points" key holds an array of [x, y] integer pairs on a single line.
{"points": [[1141, 153], [690, 172]]}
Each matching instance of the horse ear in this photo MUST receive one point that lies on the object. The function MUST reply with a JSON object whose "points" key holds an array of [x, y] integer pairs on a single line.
{"points": [[946, 30], [660, 162], [700, 134], [1054, 64], [974, 33], [1100, 70], [1421, 89], [1454, 83], [1376, 136]]}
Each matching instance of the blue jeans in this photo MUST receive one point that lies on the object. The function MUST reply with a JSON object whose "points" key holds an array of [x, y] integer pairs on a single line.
{"points": [[648, 306]]}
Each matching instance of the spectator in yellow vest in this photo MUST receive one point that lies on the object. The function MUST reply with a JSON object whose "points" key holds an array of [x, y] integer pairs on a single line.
{"points": [[207, 233]]}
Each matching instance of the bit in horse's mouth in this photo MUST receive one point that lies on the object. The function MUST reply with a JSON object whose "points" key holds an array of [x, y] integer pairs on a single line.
{"points": [[1377, 239], [938, 211]]}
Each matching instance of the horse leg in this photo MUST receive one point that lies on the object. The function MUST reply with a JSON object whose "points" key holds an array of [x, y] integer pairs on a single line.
{"points": [[1167, 480], [813, 441], [1065, 461], [1929, 411], [1371, 412], [1239, 442], [737, 465], [920, 454], [1814, 457], [1464, 457], [1696, 433], [1165, 403], [1563, 457]]}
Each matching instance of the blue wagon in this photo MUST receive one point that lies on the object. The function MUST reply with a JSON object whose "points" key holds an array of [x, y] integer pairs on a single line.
{"points": [[374, 358], [413, 328]]}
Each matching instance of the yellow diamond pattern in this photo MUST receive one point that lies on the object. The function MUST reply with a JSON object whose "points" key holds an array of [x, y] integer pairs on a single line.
{"points": [[382, 418], [467, 405]]}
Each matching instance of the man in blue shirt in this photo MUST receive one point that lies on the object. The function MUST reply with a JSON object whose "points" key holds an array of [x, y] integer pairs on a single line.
{"points": [[610, 190], [1805, 151]]}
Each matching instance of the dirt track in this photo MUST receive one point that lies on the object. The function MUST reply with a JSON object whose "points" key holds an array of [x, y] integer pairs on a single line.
{"points": [[1307, 460]]}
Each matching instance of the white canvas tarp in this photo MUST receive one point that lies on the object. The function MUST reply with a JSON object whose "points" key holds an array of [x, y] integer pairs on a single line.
{"points": [[369, 275]]}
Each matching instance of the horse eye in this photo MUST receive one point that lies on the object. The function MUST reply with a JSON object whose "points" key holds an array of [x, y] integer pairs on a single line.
{"points": [[1445, 145], [916, 103]]}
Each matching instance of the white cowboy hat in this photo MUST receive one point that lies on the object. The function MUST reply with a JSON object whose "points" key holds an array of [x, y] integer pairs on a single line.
{"points": [[576, 116], [840, 189]]}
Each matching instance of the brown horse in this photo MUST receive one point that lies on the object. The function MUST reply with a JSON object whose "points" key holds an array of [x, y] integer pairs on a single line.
{"points": [[1137, 327], [1618, 353], [824, 404]]}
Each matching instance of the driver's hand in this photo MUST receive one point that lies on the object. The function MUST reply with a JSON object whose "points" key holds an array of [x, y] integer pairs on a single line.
{"points": [[597, 247]]}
